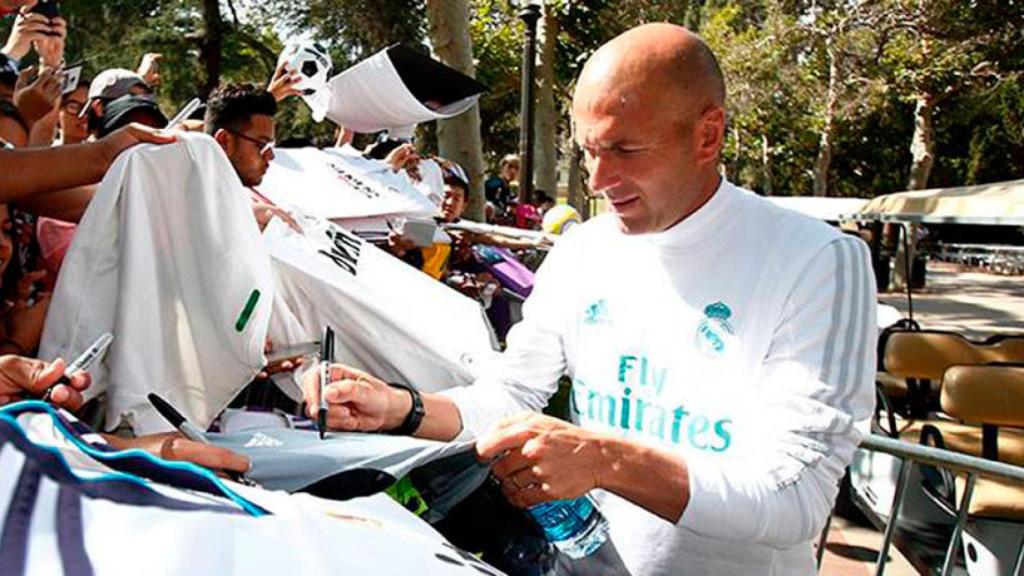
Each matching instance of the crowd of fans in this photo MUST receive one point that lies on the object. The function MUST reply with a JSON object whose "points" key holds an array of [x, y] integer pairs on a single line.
{"points": [[59, 138]]}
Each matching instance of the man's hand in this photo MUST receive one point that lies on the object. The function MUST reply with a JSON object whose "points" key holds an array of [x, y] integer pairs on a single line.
{"points": [[51, 46], [149, 68], [123, 138], [35, 98], [356, 400], [398, 245], [20, 376], [28, 28], [264, 213], [540, 458], [289, 364], [174, 446], [405, 156], [283, 83]]}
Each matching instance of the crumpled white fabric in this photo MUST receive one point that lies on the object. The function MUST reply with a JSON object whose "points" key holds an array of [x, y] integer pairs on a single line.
{"points": [[340, 183], [371, 96], [389, 319], [168, 257]]}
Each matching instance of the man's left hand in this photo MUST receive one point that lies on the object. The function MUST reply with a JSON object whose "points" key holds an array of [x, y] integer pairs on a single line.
{"points": [[540, 458], [174, 446]]}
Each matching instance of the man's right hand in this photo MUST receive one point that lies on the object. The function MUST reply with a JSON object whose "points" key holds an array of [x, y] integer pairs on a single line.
{"points": [[20, 376], [123, 138], [356, 401]]}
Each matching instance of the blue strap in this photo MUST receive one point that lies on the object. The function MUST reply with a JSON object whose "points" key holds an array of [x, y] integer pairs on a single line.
{"points": [[14, 540], [71, 534], [132, 463]]}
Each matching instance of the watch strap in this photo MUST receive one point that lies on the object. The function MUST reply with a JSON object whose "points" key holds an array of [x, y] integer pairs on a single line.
{"points": [[415, 416]]}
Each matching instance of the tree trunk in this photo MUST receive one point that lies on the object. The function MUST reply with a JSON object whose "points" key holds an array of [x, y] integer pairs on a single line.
{"points": [[545, 144], [458, 138], [578, 196], [766, 166], [737, 165], [824, 159], [211, 46], [922, 144]]}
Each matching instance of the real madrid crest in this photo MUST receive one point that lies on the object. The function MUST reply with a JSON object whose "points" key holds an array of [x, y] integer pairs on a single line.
{"points": [[715, 333]]}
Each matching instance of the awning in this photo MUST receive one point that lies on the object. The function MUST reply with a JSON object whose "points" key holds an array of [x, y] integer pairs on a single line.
{"points": [[1000, 204]]}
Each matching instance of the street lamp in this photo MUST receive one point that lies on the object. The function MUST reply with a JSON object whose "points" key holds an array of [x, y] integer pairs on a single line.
{"points": [[529, 14]]}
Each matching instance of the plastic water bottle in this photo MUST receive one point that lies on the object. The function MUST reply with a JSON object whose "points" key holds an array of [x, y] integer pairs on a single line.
{"points": [[576, 527]]}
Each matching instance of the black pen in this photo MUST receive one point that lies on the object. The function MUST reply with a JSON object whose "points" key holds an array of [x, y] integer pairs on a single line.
{"points": [[189, 430], [83, 362], [180, 423], [326, 358]]}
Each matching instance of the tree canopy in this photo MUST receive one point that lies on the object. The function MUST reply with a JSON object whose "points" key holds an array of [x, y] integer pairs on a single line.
{"points": [[844, 97]]}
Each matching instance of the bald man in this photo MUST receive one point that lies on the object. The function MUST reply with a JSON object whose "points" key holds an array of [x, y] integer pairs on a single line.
{"points": [[720, 348]]}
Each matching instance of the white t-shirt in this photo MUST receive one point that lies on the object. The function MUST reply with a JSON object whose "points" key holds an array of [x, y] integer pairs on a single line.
{"points": [[742, 338], [168, 259]]}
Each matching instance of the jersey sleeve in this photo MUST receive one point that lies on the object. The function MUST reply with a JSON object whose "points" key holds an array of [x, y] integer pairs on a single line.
{"points": [[816, 381], [525, 375]]}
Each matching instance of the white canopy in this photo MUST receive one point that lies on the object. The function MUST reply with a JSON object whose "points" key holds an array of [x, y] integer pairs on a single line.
{"points": [[1001, 203]]}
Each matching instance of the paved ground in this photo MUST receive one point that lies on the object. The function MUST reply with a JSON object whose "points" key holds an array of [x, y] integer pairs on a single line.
{"points": [[967, 301], [852, 550]]}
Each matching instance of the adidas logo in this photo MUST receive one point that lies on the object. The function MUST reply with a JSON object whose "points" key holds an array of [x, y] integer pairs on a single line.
{"points": [[261, 440], [596, 313]]}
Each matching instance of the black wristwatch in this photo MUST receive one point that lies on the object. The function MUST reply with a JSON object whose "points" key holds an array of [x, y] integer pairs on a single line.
{"points": [[415, 417]]}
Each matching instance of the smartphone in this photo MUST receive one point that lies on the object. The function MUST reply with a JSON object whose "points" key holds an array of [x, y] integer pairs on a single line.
{"points": [[71, 77], [46, 8]]}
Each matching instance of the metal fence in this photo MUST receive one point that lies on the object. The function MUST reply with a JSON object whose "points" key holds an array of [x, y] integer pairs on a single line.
{"points": [[953, 461], [999, 259]]}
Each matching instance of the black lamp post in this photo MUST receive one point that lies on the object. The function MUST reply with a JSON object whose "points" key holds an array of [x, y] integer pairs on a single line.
{"points": [[529, 15]]}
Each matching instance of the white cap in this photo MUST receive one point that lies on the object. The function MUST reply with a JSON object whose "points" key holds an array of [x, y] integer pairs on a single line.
{"points": [[114, 83]]}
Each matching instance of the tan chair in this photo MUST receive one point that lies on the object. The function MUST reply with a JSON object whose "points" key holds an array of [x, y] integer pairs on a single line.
{"points": [[926, 354], [991, 397], [915, 361]]}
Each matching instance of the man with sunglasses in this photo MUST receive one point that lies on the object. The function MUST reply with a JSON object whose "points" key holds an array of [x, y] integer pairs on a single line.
{"points": [[240, 117]]}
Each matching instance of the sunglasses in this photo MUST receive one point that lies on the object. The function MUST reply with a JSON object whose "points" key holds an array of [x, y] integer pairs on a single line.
{"points": [[265, 146]]}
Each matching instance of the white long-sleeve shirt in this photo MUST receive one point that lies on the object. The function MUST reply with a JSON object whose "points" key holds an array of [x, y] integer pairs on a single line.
{"points": [[742, 338]]}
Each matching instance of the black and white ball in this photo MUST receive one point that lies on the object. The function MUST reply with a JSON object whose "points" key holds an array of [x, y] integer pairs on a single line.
{"points": [[311, 61]]}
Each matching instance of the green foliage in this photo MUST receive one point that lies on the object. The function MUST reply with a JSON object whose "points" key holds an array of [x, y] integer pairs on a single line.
{"points": [[968, 56]]}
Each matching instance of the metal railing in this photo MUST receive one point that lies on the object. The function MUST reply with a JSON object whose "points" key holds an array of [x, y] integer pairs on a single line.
{"points": [[998, 259], [911, 454]]}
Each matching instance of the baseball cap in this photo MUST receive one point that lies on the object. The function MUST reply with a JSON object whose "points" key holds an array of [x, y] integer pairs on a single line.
{"points": [[123, 110], [454, 172], [114, 83]]}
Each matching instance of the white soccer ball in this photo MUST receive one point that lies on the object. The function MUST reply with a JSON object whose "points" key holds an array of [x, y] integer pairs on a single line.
{"points": [[311, 61], [560, 218]]}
